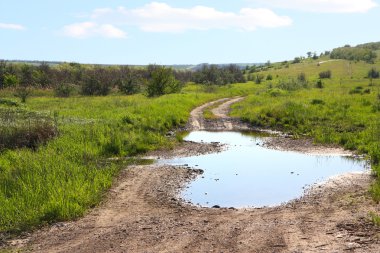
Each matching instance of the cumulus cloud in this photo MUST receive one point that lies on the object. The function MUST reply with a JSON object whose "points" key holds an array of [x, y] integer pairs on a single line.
{"points": [[322, 6], [92, 29], [161, 17], [11, 26]]}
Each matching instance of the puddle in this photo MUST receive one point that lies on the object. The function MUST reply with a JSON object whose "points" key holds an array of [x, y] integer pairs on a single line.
{"points": [[249, 175]]}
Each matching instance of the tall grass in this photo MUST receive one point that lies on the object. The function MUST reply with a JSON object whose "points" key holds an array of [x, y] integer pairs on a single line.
{"points": [[69, 174], [22, 128]]}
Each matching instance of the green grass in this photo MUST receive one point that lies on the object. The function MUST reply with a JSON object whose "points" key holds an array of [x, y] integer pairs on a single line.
{"points": [[345, 112], [63, 178], [208, 114]]}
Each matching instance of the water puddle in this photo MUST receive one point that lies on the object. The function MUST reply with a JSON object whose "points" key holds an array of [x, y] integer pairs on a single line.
{"points": [[249, 175]]}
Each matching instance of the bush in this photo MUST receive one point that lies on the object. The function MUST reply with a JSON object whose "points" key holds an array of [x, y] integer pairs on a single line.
{"points": [[301, 77], [276, 92], [8, 102], [93, 87], [317, 102], [292, 85], [162, 82], [22, 92], [356, 90], [131, 85], [319, 84], [259, 78], [64, 90], [325, 74], [373, 73]]}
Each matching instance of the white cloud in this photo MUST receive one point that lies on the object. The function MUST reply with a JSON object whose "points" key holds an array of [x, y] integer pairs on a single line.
{"points": [[92, 29], [322, 6], [161, 17], [11, 26]]}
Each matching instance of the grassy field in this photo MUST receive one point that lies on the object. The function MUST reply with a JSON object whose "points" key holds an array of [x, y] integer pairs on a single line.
{"points": [[64, 174], [345, 111], [61, 179]]}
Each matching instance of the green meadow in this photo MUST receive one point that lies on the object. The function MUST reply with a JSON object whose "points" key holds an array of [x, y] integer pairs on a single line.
{"points": [[67, 175], [72, 168], [343, 109]]}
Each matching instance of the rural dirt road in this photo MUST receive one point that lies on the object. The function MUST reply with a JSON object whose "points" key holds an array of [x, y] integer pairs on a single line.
{"points": [[142, 213]]}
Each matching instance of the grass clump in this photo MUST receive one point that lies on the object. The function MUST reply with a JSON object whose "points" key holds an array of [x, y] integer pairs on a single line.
{"points": [[21, 128]]}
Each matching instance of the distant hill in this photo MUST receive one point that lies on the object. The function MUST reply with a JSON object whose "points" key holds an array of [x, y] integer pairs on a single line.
{"points": [[192, 67], [240, 65]]}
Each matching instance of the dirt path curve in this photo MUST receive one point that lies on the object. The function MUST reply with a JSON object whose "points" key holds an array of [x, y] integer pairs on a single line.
{"points": [[222, 121], [142, 213]]}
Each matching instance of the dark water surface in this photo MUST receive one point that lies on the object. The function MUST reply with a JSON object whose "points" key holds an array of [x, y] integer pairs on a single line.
{"points": [[249, 175]]}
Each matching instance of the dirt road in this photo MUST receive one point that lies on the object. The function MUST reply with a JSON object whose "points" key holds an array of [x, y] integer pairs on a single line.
{"points": [[142, 213]]}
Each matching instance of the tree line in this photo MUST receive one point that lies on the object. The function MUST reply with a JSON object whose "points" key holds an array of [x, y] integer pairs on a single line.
{"points": [[359, 53], [152, 80]]}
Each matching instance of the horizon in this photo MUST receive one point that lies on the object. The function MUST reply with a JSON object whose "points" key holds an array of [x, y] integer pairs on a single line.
{"points": [[169, 32]]}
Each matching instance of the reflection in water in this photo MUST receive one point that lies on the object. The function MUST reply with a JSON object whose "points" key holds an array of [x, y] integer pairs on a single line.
{"points": [[247, 174]]}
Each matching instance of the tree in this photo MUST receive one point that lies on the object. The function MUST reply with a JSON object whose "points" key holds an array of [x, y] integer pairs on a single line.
{"points": [[162, 82], [23, 90], [10, 80], [296, 60]]}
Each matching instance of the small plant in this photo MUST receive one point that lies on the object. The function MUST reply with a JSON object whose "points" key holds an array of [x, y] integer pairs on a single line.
{"points": [[317, 102], [356, 90], [259, 78], [8, 102], [375, 219], [319, 84], [373, 73], [301, 77]]}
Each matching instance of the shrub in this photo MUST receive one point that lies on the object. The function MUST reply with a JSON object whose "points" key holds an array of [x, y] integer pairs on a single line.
{"points": [[319, 84], [131, 85], [259, 78], [64, 90], [301, 77], [373, 73], [356, 90], [93, 87], [162, 82], [22, 92], [276, 92], [8, 102], [291, 85], [325, 74], [317, 102]]}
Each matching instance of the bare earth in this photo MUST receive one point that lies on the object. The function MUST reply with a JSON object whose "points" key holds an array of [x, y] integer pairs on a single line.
{"points": [[142, 212]]}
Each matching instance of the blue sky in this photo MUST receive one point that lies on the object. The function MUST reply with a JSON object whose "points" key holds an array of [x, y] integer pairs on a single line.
{"points": [[181, 32]]}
